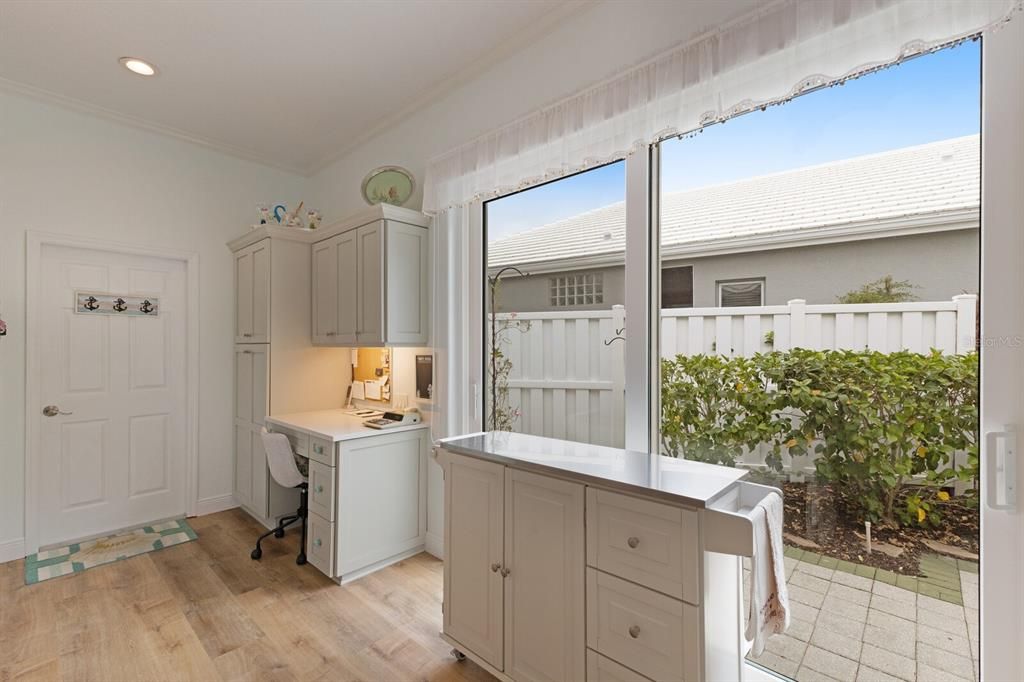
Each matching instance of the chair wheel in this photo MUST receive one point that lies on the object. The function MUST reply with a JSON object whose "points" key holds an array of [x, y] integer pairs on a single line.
{"points": [[279, 532], [459, 656], [256, 554], [301, 559]]}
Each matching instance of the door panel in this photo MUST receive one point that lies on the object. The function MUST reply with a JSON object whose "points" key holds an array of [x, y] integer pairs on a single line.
{"points": [[261, 292], [325, 291], [348, 284], [370, 318], [243, 295], [544, 599], [406, 292], [117, 459], [243, 464], [474, 544]]}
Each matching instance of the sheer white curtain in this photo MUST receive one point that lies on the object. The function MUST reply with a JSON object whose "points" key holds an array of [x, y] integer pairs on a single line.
{"points": [[785, 48], [450, 319]]}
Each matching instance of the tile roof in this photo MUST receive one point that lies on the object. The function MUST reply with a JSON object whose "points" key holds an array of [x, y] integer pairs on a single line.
{"points": [[935, 179]]}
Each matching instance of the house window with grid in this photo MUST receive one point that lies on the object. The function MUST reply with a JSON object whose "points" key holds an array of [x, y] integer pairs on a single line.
{"points": [[740, 293], [577, 289]]}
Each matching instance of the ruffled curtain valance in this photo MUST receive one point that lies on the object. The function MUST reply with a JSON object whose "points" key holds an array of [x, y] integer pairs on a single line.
{"points": [[769, 56]]}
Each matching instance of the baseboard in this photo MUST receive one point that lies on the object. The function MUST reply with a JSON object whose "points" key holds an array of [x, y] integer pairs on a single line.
{"points": [[212, 505], [435, 545], [11, 550]]}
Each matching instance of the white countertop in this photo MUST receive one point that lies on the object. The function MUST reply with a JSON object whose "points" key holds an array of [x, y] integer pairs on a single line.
{"points": [[667, 478], [334, 425]]}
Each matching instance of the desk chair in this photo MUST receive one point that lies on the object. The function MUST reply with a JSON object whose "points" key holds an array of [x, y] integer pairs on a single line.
{"points": [[286, 472]]}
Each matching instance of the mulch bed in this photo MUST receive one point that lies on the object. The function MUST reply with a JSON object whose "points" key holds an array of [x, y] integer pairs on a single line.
{"points": [[818, 513]]}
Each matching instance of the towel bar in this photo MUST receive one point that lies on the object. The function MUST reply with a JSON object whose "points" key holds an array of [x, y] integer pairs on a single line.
{"points": [[728, 528]]}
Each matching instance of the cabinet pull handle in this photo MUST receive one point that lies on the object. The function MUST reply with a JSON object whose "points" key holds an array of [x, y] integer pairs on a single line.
{"points": [[634, 631], [317, 542], [495, 568], [319, 489], [247, 335], [247, 352], [505, 572], [633, 542]]}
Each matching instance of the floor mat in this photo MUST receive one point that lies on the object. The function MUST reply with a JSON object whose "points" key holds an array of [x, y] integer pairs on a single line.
{"points": [[80, 556]]}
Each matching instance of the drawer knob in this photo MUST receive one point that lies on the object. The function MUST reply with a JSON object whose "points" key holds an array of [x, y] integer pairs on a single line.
{"points": [[634, 631], [317, 542], [505, 572], [319, 489], [495, 568], [633, 542]]}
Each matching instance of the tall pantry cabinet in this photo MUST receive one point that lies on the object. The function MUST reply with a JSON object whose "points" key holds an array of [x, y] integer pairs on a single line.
{"points": [[277, 369]]}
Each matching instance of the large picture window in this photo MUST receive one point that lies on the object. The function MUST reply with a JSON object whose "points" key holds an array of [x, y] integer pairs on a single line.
{"points": [[555, 309]]}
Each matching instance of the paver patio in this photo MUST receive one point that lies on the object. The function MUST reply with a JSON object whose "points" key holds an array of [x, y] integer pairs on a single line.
{"points": [[855, 628]]}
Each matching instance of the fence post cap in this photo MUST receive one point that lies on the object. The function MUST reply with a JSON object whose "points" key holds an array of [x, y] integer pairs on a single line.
{"points": [[797, 301], [965, 297]]}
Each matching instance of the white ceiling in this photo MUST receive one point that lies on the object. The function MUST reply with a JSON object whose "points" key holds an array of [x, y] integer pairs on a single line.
{"points": [[292, 84]]}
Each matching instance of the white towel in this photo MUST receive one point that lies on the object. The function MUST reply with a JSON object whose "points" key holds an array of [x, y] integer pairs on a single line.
{"points": [[768, 612]]}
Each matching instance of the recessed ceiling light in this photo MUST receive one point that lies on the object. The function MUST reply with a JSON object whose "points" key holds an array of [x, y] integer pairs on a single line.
{"points": [[138, 66]]}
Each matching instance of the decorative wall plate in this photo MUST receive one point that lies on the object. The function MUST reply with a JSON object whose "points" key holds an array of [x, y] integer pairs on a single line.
{"points": [[389, 185]]}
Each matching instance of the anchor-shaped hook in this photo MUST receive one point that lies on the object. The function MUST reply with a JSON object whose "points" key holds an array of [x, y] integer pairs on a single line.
{"points": [[146, 307], [91, 303], [618, 337], [120, 305]]}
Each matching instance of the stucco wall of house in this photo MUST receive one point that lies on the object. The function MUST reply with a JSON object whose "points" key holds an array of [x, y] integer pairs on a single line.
{"points": [[940, 264]]}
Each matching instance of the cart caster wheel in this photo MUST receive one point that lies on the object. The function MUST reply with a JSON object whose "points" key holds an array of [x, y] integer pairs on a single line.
{"points": [[459, 656], [279, 532], [256, 554], [301, 559]]}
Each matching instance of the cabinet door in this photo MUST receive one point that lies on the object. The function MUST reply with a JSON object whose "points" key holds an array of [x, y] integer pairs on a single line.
{"points": [[252, 293], [252, 398], [370, 285], [325, 291], [407, 286], [346, 258], [474, 543], [544, 587]]}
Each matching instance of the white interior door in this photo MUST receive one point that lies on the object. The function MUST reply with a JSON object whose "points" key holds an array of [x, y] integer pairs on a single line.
{"points": [[115, 455]]}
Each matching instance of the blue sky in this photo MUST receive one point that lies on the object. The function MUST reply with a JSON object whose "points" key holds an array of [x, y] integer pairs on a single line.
{"points": [[930, 98]]}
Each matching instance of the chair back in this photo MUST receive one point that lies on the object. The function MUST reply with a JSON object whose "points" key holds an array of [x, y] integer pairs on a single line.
{"points": [[281, 459]]}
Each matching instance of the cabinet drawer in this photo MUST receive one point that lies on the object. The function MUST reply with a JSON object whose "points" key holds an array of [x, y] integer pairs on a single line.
{"points": [[646, 542], [603, 669], [320, 544], [321, 489], [649, 632], [322, 451], [298, 441]]}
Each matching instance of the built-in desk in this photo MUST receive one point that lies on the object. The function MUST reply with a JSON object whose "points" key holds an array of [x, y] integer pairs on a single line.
{"points": [[367, 490]]}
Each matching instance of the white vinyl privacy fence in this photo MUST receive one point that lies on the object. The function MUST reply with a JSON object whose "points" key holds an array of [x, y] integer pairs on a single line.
{"points": [[568, 377]]}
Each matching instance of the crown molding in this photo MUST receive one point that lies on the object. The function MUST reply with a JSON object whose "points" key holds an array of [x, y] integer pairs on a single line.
{"points": [[83, 107], [500, 52]]}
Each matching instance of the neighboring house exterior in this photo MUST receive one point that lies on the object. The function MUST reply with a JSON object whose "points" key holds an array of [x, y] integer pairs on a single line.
{"points": [[813, 233]]}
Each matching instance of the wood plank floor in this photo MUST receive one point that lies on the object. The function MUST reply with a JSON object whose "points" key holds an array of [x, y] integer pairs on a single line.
{"points": [[206, 611]]}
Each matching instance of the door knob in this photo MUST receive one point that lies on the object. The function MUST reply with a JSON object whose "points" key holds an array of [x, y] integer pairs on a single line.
{"points": [[495, 568], [633, 542], [634, 631], [53, 411]]}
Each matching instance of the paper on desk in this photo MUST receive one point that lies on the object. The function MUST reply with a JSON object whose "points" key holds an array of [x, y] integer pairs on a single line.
{"points": [[358, 390], [372, 390]]}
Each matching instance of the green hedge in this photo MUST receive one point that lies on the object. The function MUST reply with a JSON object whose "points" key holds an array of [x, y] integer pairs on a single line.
{"points": [[876, 420]]}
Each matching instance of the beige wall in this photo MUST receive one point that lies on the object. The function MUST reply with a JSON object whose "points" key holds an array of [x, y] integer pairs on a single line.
{"points": [[74, 174], [941, 264]]}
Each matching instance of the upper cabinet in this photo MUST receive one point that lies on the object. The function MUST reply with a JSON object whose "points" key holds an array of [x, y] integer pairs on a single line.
{"points": [[370, 283], [252, 293]]}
